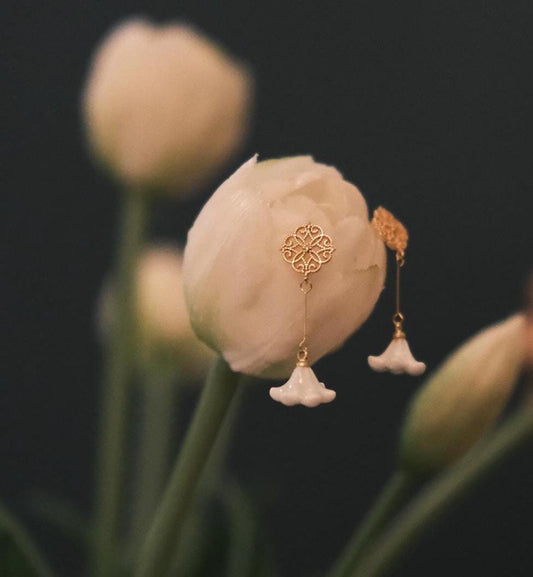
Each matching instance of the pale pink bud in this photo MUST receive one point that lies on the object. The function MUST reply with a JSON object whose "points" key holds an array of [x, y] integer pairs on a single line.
{"points": [[164, 106], [164, 336], [244, 299], [163, 319], [463, 398]]}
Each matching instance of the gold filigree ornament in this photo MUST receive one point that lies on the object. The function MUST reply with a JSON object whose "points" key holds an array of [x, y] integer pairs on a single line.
{"points": [[397, 357], [306, 250]]}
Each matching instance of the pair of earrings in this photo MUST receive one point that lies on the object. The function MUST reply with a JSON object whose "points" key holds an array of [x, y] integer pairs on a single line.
{"points": [[306, 250]]}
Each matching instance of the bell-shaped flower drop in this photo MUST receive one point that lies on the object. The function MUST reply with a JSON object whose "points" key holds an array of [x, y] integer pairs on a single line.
{"points": [[397, 358], [302, 388]]}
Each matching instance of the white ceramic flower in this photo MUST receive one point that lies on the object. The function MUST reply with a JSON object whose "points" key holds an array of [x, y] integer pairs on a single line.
{"points": [[303, 388], [243, 297], [164, 106], [397, 358], [464, 397]]}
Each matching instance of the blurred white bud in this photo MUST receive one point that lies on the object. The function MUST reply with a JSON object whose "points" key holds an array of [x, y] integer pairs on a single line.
{"points": [[463, 398], [244, 299], [529, 326], [164, 107], [164, 336]]}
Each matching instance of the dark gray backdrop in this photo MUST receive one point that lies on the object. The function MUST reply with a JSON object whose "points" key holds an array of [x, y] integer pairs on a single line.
{"points": [[426, 106]]}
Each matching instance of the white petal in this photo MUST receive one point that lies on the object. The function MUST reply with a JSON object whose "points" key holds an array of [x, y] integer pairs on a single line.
{"points": [[303, 388], [397, 358]]}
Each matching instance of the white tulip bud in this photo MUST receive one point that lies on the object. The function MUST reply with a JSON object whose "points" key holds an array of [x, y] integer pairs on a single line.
{"points": [[463, 399], [164, 106], [244, 299], [164, 336]]}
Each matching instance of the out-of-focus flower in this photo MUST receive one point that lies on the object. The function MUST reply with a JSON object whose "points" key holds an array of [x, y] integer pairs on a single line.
{"points": [[245, 301], [463, 398], [397, 358], [164, 336], [303, 388], [164, 106], [529, 326]]}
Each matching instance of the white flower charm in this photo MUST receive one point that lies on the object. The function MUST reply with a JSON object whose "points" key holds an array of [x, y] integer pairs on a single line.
{"points": [[303, 388], [397, 359], [164, 106], [243, 297]]}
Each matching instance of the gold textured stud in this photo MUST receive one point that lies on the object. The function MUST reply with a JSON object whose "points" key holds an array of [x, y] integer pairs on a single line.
{"points": [[397, 357], [306, 250]]}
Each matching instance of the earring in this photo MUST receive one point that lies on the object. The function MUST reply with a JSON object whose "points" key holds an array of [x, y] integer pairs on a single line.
{"points": [[306, 250], [397, 357]]}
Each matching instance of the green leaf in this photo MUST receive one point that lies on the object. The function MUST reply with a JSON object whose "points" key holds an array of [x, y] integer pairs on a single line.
{"points": [[19, 557], [68, 520], [61, 515]]}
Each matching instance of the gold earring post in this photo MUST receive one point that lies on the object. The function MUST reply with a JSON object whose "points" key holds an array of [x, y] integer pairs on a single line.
{"points": [[395, 236], [398, 318]]}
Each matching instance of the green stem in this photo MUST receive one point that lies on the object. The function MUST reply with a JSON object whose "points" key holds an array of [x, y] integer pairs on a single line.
{"points": [[445, 490], [32, 556], [393, 495], [117, 375], [215, 467], [243, 531], [163, 538], [183, 556], [158, 402]]}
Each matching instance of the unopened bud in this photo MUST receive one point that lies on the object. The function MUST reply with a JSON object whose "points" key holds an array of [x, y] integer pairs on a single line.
{"points": [[463, 398], [164, 106], [164, 337]]}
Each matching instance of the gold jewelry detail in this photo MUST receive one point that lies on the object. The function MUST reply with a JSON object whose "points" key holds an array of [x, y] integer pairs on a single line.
{"points": [[306, 250], [391, 230], [395, 236], [397, 357], [397, 317]]}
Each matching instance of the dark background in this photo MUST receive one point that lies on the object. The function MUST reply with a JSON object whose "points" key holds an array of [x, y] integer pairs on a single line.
{"points": [[426, 106]]}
